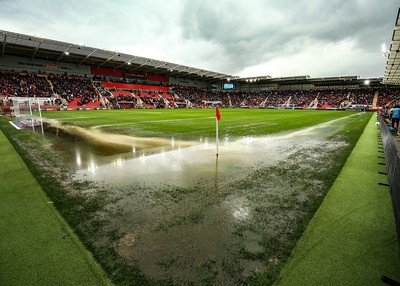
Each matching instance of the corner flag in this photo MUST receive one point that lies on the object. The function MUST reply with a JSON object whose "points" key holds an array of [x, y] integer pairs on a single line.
{"points": [[217, 118], [217, 114]]}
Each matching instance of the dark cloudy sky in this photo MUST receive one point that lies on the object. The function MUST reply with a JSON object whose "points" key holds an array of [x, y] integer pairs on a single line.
{"points": [[239, 37]]}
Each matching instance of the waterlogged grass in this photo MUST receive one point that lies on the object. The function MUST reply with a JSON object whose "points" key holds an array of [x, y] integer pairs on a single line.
{"points": [[190, 124], [77, 209], [37, 247], [283, 197]]}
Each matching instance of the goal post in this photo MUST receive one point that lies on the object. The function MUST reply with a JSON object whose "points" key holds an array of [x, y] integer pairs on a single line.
{"points": [[29, 110], [286, 106]]}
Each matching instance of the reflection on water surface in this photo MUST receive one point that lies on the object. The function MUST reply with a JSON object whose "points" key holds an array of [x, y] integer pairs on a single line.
{"points": [[191, 217]]}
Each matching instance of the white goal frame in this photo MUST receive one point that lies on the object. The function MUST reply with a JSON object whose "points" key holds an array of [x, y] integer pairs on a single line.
{"points": [[286, 106], [30, 104]]}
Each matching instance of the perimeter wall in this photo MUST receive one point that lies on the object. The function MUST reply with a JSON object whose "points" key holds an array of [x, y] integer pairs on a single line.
{"points": [[392, 159]]}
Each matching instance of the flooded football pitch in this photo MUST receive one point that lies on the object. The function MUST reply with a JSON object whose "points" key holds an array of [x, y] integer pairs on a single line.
{"points": [[184, 216]]}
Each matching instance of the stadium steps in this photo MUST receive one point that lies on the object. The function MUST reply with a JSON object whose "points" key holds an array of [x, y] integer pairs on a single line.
{"points": [[375, 101], [352, 239], [75, 103]]}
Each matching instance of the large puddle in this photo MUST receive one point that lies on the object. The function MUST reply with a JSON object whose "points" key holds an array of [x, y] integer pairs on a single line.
{"points": [[120, 158], [190, 217]]}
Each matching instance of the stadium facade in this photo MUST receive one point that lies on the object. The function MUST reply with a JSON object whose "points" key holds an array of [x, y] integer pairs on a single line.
{"points": [[29, 53]]}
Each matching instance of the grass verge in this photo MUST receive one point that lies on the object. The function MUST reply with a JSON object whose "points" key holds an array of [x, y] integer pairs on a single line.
{"points": [[82, 211], [351, 240], [37, 247]]}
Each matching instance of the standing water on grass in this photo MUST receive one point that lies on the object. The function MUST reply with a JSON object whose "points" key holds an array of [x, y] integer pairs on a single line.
{"points": [[184, 215]]}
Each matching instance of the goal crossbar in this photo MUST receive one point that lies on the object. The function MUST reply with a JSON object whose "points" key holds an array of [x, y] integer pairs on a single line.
{"points": [[24, 107]]}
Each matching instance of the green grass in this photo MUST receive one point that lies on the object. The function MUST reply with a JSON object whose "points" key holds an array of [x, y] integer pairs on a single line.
{"points": [[351, 240], [37, 247], [80, 211], [190, 124]]}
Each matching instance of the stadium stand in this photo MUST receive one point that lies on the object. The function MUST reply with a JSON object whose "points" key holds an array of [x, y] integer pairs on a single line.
{"points": [[24, 84], [76, 90], [73, 92]]}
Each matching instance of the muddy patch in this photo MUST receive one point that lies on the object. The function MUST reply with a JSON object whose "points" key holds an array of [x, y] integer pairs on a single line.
{"points": [[88, 148], [178, 215], [188, 217]]}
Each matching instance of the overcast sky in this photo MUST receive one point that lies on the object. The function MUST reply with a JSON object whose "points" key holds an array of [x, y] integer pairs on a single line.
{"points": [[319, 38]]}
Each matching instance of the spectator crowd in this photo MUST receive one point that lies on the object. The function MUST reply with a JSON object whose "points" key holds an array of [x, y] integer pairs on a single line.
{"points": [[78, 91]]}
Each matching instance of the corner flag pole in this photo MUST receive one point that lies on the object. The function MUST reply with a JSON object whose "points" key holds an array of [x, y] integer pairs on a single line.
{"points": [[217, 118], [216, 122]]}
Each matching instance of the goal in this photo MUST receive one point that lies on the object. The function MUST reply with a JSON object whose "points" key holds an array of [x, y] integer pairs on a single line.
{"points": [[286, 106], [28, 110]]}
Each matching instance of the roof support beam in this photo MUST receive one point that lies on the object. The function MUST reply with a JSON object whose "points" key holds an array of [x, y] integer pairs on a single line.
{"points": [[109, 59], [88, 56], [63, 53], [128, 62], [161, 65], [182, 69], [4, 43], [36, 49], [221, 76], [206, 73], [174, 67], [146, 62]]}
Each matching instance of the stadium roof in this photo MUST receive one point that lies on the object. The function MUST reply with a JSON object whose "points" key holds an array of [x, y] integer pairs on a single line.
{"points": [[392, 71], [34, 47], [40, 48], [305, 79]]}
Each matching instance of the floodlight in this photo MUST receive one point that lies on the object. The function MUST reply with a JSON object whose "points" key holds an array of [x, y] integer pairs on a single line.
{"points": [[383, 48], [385, 51]]}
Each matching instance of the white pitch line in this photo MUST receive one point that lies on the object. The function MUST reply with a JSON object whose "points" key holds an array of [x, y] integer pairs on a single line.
{"points": [[68, 118], [149, 121]]}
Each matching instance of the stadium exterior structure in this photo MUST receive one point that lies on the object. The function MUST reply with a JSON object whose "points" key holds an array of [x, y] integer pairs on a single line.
{"points": [[29, 53]]}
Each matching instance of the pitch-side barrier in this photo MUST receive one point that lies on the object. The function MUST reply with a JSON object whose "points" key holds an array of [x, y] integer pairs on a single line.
{"points": [[392, 159]]}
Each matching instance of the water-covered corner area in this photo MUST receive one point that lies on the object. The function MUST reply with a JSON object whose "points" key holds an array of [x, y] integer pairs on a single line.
{"points": [[181, 214]]}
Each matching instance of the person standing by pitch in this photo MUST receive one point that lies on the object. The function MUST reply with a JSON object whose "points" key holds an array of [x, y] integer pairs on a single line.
{"points": [[395, 115]]}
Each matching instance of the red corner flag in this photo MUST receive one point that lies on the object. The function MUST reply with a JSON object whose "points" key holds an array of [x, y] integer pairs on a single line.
{"points": [[218, 118], [217, 114]]}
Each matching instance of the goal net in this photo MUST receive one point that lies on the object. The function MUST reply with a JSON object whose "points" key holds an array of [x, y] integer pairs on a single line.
{"points": [[28, 110], [286, 106]]}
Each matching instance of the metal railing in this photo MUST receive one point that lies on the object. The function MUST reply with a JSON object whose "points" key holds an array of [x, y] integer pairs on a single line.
{"points": [[392, 159]]}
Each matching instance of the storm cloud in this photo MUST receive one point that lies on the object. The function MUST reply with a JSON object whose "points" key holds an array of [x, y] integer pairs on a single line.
{"points": [[245, 38]]}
